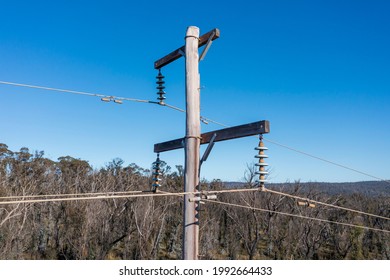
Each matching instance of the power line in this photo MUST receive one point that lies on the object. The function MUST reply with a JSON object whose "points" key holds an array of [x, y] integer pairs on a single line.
{"points": [[140, 194], [207, 120], [123, 194], [327, 161], [69, 194], [288, 195], [106, 195], [77, 92], [109, 97], [297, 216], [145, 194], [104, 97], [203, 119], [301, 198], [307, 154], [296, 197], [172, 107], [326, 204]]}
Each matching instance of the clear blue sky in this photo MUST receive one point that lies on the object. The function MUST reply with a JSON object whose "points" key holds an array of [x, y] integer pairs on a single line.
{"points": [[319, 71]]}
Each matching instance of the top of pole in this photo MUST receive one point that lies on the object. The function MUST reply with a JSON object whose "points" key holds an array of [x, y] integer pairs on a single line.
{"points": [[179, 52], [192, 31]]}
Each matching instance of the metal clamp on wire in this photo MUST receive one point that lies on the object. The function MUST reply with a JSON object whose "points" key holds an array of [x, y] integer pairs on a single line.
{"points": [[306, 203], [203, 196]]}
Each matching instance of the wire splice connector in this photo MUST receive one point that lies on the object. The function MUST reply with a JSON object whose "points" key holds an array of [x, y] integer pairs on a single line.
{"points": [[261, 164], [160, 82], [306, 203], [156, 174]]}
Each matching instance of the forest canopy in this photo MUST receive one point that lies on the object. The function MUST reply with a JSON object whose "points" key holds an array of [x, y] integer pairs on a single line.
{"points": [[151, 227]]}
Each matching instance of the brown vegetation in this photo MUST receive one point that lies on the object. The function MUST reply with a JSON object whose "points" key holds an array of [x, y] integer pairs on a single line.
{"points": [[151, 228]]}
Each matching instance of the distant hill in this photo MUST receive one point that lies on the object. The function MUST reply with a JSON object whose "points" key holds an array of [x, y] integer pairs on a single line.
{"points": [[368, 188]]}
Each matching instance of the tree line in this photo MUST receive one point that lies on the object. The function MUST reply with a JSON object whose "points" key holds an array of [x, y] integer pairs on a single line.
{"points": [[151, 227]]}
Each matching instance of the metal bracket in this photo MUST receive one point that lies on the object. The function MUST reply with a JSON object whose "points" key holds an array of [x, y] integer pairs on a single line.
{"points": [[208, 149], [181, 51], [206, 48]]}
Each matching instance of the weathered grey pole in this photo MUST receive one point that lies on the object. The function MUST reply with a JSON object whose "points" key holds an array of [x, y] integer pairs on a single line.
{"points": [[192, 143]]}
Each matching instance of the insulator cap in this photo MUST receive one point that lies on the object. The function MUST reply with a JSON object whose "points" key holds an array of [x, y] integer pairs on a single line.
{"points": [[261, 156], [261, 181], [160, 76], [156, 173], [261, 173], [160, 87]]}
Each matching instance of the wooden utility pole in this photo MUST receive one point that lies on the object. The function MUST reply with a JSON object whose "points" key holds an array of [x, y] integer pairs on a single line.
{"points": [[193, 138], [192, 143]]}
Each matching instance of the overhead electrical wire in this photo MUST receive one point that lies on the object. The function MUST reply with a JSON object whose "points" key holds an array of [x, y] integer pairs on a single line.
{"points": [[306, 154], [134, 194], [298, 216], [292, 215], [69, 194], [325, 160], [128, 194], [105, 195], [78, 92], [172, 107], [325, 204], [139, 194], [207, 120], [203, 119], [104, 97], [300, 198]]}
